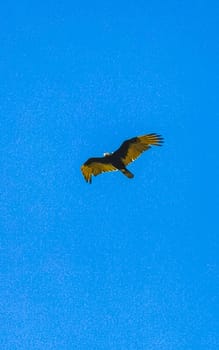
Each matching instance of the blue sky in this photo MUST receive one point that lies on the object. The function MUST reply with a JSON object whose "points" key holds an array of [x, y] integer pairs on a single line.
{"points": [[119, 264]]}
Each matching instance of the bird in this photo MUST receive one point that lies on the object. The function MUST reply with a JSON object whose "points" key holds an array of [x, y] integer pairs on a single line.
{"points": [[129, 151]]}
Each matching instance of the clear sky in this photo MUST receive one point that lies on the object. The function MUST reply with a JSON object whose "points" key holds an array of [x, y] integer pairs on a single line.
{"points": [[120, 264]]}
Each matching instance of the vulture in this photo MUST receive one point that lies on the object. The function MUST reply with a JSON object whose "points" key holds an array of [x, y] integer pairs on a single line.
{"points": [[128, 151]]}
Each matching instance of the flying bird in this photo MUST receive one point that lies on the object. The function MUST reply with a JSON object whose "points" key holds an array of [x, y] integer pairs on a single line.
{"points": [[128, 151]]}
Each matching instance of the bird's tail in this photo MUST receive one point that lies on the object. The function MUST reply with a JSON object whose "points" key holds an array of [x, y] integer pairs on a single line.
{"points": [[127, 173]]}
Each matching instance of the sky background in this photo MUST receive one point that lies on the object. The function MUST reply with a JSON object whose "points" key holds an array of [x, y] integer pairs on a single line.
{"points": [[120, 264]]}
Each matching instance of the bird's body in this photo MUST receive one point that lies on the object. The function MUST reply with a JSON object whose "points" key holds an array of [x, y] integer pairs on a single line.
{"points": [[118, 160]]}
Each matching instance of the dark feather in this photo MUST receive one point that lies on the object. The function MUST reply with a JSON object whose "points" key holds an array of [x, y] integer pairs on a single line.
{"points": [[129, 151]]}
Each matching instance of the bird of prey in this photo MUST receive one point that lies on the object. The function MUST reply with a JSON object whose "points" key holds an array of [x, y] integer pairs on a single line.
{"points": [[128, 151]]}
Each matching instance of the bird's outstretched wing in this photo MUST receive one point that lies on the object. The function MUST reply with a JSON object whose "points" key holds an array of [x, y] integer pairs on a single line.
{"points": [[96, 166], [132, 149]]}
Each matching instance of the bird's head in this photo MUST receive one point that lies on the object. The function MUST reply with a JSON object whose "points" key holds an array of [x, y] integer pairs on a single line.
{"points": [[107, 154]]}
